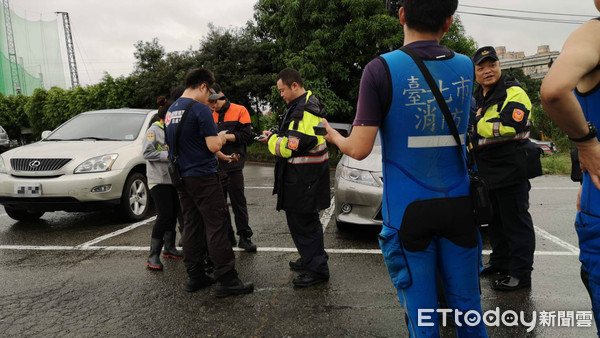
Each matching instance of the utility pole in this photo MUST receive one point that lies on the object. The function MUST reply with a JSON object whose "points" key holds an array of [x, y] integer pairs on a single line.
{"points": [[70, 49], [12, 52]]}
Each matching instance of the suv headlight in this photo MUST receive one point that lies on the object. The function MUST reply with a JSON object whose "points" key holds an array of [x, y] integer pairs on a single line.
{"points": [[96, 164], [2, 166], [358, 176]]}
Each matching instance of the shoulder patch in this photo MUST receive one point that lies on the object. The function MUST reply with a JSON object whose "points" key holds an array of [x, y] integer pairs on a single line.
{"points": [[518, 115], [293, 143], [150, 136]]}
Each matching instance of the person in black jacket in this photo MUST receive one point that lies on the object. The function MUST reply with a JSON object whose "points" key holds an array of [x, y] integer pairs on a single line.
{"points": [[501, 130], [234, 120], [301, 176]]}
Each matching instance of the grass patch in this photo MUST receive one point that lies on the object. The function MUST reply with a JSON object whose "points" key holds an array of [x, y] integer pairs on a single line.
{"points": [[556, 164]]}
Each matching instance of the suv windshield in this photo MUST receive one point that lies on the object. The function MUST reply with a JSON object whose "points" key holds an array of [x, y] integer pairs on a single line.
{"points": [[99, 126]]}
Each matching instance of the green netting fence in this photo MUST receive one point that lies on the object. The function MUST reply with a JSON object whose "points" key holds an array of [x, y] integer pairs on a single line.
{"points": [[38, 54]]}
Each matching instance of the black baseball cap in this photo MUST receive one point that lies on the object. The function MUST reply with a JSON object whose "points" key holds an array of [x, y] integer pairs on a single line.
{"points": [[484, 53], [214, 93]]}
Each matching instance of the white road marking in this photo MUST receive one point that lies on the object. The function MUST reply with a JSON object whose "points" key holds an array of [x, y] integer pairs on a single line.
{"points": [[554, 239], [118, 232], [260, 249], [258, 188], [326, 217]]}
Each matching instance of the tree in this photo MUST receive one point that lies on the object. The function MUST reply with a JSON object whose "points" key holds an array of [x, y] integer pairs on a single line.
{"points": [[458, 40], [157, 73], [330, 43], [240, 65]]}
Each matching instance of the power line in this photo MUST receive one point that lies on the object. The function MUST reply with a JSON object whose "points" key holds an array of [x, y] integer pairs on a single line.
{"points": [[531, 12], [550, 20]]}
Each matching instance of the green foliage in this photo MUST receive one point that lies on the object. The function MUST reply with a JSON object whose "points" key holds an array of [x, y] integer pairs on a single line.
{"points": [[157, 73], [542, 127], [47, 109], [328, 42], [557, 164], [240, 65], [458, 40], [34, 109]]}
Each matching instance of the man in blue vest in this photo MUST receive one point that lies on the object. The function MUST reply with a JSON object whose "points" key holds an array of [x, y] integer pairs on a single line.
{"points": [[571, 97], [428, 225]]}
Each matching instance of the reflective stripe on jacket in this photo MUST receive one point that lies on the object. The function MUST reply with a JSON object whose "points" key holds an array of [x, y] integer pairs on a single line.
{"points": [[302, 159], [501, 132]]}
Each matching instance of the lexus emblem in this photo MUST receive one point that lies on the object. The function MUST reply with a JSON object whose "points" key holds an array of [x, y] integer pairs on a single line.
{"points": [[34, 164]]}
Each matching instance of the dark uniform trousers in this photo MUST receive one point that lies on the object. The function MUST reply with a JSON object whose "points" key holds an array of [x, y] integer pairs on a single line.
{"points": [[235, 191], [204, 212], [511, 232], [307, 233]]}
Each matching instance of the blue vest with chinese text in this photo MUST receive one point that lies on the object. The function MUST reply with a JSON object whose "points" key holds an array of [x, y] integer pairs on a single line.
{"points": [[420, 158]]}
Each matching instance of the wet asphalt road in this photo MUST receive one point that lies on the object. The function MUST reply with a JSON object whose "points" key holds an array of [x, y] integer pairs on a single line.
{"points": [[83, 275]]}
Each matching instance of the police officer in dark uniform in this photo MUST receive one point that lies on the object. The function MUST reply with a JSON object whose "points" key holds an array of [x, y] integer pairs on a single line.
{"points": [[502, 127], [301, 176]]}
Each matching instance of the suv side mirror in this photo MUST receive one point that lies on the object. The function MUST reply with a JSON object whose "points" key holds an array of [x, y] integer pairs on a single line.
{"points": [[45, 133]]}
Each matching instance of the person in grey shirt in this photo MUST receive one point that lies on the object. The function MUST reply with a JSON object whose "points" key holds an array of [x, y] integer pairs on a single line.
{"points": [[163, 193]]}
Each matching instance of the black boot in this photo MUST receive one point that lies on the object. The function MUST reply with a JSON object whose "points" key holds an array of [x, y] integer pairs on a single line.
{"points": [[198, 278], [246, 244], [229, 285], [154, 262], [170, 251]]}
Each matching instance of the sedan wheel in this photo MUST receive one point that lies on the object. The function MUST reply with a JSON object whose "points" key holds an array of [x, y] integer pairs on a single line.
{"points": [[135, 199]]}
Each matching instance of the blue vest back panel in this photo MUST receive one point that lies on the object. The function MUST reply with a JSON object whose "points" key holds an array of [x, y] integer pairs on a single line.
{"points": [[590, 196], [420, 158]]}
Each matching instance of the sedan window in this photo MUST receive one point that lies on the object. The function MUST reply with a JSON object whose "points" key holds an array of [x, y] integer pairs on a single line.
{"points": [[101, 127]]}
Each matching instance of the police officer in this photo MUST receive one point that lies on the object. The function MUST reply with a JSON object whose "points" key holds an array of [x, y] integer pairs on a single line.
{"points": [[301, 176], [502, 128], [575, 76]]}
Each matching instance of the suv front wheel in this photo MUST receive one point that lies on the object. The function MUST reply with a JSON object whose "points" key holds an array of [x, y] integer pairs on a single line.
{"points": [[135, 198], [22, 214]]}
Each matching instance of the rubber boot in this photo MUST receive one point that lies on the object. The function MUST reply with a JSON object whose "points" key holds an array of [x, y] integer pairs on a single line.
{"points": [[169, 250], [154, 262]]}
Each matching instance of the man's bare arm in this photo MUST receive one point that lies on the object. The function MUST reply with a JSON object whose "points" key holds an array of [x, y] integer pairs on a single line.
{"points": [[358, 145], [579, 58], [214, 143], [580, 55]]}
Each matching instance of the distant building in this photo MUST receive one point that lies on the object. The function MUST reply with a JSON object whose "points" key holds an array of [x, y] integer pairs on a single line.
{"points": [[536, 66]]}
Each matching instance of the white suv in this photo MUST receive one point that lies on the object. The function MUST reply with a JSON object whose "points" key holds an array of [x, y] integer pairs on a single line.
{"points": [[92, 161], [4, 141]]}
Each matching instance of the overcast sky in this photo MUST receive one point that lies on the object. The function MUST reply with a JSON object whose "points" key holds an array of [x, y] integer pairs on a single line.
{"points": [[104, 31]]}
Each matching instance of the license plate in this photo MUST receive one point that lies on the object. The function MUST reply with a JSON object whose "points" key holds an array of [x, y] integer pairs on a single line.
{"points": [[28, 190]]}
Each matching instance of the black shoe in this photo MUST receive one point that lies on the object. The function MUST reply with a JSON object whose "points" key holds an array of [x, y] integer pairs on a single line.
{"points": [[233, 287], [297, 265], [308, 279], [246, 244], [489, 269], [199, 282], [510, 283]]}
